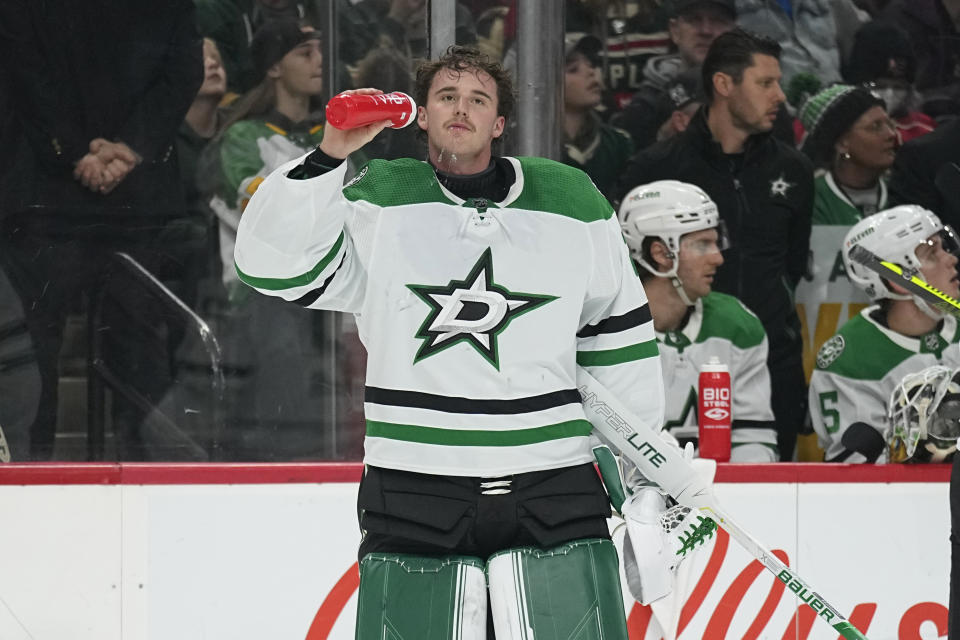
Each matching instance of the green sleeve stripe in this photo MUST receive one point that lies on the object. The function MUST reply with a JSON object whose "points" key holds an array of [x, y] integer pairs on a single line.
{"points": [[277, 284], [477, 437], [610, 357]]}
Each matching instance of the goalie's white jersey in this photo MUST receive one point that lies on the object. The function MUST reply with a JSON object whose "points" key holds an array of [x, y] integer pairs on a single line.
{"points": [[474, 314], [859, 367], [720, 326]]}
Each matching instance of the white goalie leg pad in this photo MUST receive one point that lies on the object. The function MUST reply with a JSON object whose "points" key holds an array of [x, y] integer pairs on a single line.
{"points": [[570, 591], [408, 596]]}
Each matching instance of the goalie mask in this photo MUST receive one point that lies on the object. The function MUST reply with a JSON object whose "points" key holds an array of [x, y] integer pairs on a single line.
{"points": [[667, 210], [894, 235], [924, 416]]}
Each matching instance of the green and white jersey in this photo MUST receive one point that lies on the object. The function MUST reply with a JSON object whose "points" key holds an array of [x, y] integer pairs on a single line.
{"points": [[831, 206], [249, 151], [474, 313], [859, 367], [720, 326]]}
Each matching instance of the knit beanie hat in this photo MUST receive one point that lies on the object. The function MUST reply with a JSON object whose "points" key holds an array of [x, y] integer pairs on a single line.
{"points": [[829, 114], [274, 40]]}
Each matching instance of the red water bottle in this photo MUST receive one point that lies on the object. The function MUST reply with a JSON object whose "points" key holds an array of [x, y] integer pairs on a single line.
{"points": [[714, 411], [352, 110]]}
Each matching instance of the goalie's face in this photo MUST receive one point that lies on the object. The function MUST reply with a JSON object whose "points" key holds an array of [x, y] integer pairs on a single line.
{"points": [[938, 263], [461, 120]]}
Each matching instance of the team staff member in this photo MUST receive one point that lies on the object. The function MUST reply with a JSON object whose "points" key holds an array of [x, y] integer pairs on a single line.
{"points": [[477, 454], [764, 192]]}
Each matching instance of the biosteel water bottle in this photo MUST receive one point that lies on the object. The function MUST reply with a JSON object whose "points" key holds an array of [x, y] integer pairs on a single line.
{"points": [[714, 411], [352, 110]]}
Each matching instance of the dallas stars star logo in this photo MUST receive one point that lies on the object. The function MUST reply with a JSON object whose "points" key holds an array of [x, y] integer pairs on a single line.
{"points": [[474, 310], [779, 186]]}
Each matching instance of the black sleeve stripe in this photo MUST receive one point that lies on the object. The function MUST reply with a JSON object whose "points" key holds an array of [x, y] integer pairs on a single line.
{"points": [[310, 297], [753, 424], [613, 324], [452, 404]]}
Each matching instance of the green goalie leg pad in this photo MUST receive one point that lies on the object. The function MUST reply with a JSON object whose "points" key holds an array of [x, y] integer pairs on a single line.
{"points": [[570, 592], [408, 597]]}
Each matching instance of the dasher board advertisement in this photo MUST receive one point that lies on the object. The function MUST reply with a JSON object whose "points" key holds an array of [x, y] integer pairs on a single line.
{"points": [[277, 559]]}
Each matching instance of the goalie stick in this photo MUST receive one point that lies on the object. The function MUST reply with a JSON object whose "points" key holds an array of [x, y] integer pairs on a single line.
{"points": [[665, 465], [894, 273]]}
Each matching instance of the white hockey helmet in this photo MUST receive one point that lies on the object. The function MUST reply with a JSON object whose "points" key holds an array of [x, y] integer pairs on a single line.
{"points": [[666, 209], [924, 416], [893, 235]]}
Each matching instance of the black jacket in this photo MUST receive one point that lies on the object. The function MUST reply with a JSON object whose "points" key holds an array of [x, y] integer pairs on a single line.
{"points": [[925, 173], [765, 198], [116, 69]]}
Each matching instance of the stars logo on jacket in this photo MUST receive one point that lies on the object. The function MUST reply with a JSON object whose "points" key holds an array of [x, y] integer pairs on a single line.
{"points": [[780, 186], [475, 310]]}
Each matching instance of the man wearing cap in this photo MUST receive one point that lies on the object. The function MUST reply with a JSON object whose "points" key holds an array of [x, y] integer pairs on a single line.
{"points": [[693, 26], [591, 145], [682, 100], [764, 191]]}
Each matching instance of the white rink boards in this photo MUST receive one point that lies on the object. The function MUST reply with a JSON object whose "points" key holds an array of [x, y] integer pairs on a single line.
{"points": [[137, 552]]}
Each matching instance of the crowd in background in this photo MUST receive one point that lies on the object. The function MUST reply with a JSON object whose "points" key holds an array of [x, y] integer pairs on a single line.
{"points": [[135, 135]]}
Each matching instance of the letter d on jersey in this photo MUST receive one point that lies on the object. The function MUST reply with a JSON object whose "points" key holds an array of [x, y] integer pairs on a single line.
{"points": [[455, 316]]}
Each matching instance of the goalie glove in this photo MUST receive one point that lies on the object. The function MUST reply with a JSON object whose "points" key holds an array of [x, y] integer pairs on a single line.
{"points": [[658, 539]]}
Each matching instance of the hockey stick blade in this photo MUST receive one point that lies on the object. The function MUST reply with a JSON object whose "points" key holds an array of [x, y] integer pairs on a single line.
{"points": [[665, 465], [892, 272]]}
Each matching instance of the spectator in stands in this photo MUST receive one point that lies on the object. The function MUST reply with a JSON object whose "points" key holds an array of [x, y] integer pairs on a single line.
{"points": [[232, 25], [810, 32], [204, 117], [764, 191], [600, 150], [882, 59], [933, 29], [859, 367], [683, 98], [927, 172], [269, 125], [694, 25], [631, 32], [278, 369], [852, 139], [100, 88], [675, 239]]}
